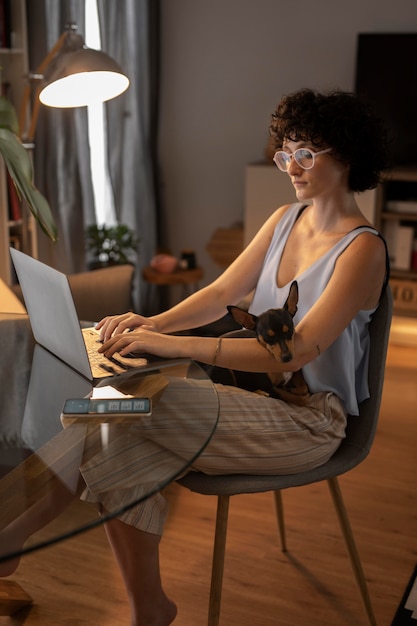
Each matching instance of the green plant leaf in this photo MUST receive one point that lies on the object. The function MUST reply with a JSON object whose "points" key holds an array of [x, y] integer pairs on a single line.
{"points": [[111, 243], [19, 164], [8, 117]]}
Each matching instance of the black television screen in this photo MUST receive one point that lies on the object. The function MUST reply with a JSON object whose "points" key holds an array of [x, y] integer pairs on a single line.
{"points": [[386, 76]]}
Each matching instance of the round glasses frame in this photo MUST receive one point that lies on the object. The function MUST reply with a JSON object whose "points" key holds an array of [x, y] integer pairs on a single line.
{"points": [[304, 157]]}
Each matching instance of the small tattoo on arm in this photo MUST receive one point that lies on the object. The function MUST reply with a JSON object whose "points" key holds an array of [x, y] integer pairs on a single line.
{"points": [[318, 349]]}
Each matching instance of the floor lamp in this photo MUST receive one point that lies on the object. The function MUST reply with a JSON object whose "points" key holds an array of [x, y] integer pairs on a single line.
{"points": [[71, 75]]}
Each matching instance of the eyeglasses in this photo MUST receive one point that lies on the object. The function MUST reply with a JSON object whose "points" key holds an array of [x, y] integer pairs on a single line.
{"points": [[304, 157]]}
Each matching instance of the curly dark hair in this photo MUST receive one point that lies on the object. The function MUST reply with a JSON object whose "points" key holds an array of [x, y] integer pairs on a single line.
{"points": [[339, 120]]}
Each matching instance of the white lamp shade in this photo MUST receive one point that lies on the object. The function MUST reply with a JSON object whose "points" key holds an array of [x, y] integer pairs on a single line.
{"points": [[83, 89], [82, 77]]}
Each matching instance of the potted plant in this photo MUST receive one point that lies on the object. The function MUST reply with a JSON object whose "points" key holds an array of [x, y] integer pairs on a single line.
{"points": [[110, 245], [19, 165]]}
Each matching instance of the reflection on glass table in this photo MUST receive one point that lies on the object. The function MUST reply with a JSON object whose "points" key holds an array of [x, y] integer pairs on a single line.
{"points": [[47, 464]]}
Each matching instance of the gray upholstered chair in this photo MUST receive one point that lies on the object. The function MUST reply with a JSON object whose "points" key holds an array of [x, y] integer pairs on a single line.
{"points": [[104, 291], [354, 448]]}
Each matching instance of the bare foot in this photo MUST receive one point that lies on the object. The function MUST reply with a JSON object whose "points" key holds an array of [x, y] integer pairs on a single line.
{"points": [[172, 612], [165, 615], [10, 542], [14, 536]]}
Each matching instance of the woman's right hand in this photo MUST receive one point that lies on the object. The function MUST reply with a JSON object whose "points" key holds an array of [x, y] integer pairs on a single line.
{"points": [[117, 324]]}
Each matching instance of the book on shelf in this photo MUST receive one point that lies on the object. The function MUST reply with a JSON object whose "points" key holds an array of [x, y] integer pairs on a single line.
{"points": [[15, 241], [15, 206], [399, 240], [402, 206], [6, 89], [5, 24]]}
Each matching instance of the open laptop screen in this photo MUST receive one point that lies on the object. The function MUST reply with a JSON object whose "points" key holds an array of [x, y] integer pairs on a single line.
{"points": [[51, 311]]}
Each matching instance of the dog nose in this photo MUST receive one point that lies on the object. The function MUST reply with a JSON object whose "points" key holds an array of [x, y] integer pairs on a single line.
{"points": [[285, 358]]}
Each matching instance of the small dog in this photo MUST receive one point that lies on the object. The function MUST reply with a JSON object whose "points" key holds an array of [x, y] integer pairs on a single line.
{"points": [[274, 329]]}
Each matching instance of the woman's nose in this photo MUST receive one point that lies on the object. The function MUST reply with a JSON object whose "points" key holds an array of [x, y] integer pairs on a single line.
{"points": [[293, 167]]}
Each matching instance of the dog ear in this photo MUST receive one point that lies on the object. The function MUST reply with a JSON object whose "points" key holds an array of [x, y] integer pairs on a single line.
{"points": [[242, 317], [292, 300]]}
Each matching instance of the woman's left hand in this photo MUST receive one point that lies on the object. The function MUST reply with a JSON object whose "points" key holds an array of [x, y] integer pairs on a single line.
{"points": [[142, 341]]}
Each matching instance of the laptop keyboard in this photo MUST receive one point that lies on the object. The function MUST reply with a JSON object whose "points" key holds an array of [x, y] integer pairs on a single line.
{"points": [[101, 365]]}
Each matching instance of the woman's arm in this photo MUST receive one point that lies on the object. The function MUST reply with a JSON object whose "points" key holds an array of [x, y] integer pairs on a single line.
{"points": [[355, 285], [209, 303]]}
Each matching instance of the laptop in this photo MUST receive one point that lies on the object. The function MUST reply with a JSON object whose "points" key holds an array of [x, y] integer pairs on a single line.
{"points": [[56, 327]]}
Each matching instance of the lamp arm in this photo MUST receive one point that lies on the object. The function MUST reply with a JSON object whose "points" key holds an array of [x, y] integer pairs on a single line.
{"points": [[27, 92]]}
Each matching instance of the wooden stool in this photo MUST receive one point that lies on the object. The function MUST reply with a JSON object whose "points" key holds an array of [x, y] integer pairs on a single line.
{"points": [[225, 245]]}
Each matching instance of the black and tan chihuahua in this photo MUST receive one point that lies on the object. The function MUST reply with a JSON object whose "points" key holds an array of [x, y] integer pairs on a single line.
{"points": [[274, 329]]}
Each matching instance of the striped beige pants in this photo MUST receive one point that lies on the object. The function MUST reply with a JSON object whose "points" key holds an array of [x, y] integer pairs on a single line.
{"points": [[254, 435]]}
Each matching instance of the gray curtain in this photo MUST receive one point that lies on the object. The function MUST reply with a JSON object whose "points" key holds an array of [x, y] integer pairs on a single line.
{"points": [[61, 154], [129, 32]]}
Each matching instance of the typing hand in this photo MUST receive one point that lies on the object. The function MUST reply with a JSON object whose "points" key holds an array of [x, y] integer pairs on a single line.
{"points": [[143, 341], [117, 324]]}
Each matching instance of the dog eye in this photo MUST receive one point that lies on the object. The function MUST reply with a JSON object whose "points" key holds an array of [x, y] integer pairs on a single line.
{"points": [[288, 331]]}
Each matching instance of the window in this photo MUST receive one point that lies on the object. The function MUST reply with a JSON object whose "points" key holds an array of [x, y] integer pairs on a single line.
{"points": [[103, 193]]}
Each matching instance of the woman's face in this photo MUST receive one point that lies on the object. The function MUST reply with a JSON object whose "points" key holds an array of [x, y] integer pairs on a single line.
{"points": [[327, 176]]}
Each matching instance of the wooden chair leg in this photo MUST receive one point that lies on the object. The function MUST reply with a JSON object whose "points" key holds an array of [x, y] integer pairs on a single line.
{"points": [[279, 509], [351, 546], [218, 560]]}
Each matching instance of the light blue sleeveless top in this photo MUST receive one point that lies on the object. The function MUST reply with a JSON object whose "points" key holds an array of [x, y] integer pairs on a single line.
{"points": [[343, 367]]}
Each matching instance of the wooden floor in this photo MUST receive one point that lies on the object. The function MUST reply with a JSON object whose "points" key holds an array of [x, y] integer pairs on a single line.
{"points": [[77, 583]]}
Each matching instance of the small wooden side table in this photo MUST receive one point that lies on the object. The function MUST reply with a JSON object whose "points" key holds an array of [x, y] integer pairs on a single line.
{"points": [[187, 279]]}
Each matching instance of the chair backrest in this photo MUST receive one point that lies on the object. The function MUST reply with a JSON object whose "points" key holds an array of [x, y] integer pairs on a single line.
{"points": [[353, 449], [104, 291], [361, 430]]}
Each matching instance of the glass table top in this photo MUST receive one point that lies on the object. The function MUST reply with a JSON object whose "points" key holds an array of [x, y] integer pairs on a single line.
{"points": [[47, 462]]}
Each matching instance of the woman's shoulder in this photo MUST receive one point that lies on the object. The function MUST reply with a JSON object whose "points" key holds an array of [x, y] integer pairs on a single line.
{"points": [[363, 239], [368, 239], [366, 256]]}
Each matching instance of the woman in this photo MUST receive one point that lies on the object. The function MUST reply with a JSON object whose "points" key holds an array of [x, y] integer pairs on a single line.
{"points": [[331, 146]]}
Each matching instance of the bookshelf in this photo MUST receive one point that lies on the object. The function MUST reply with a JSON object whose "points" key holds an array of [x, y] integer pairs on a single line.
{"points": [[17, 226], [396, 218]]}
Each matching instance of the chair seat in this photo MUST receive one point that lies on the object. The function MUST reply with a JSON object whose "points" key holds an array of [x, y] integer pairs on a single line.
{"points": [[344, 459]]}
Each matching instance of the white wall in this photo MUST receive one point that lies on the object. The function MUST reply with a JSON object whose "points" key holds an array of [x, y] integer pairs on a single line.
{"points": [[225, 65]]}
